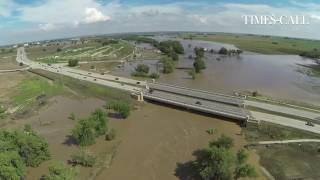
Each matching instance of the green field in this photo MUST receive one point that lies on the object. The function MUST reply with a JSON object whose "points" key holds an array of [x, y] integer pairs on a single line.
{"points": [[30, 89], [259, 43], [286, 161]]}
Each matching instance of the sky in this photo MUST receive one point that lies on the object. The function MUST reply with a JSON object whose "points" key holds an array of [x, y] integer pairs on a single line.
{"points": [[33, 20]]}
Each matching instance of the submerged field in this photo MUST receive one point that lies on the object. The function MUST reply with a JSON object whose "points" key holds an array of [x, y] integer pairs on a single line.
{"points": [[154, 137]]}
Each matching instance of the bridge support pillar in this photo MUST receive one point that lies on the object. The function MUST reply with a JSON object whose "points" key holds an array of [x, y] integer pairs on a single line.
{"points": [[140, 97]]}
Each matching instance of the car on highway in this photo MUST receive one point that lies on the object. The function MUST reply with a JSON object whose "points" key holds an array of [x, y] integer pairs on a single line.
{"points": [[309, 123], [198, 103]]}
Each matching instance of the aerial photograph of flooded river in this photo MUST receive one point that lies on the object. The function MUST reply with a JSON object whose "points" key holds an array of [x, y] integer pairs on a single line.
{"points": [[159, 90]]}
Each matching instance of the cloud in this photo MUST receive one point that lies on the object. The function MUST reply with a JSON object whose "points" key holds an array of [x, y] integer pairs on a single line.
{"points": [[47, 27], [6, 7], [85, 17], [93, 15], [154, 10], [66, 12]]}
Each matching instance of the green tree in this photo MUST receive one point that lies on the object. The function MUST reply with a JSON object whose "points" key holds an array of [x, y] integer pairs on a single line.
{"points": [[142, 68], [199, 64], [100, 125], [192, 73], [11, 165], [73, 63], [223, 51], [32, 148], [215, 163], [222, 142], [199, 52], [59, 171], [168, 65], [242, 168], [122, 107], [84, 132]]}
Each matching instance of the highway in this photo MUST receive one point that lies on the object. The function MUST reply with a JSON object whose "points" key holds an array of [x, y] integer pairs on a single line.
{"points": [[285, 110], [289, 141], [202, 105], [284, 121], [79, 74], [199, 94]]}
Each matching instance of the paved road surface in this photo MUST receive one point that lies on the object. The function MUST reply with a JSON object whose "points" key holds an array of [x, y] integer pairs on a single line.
{"points": [[199, 104], [78, 74], [285, 122], [285, 110], [205, 95], [289, 141]]}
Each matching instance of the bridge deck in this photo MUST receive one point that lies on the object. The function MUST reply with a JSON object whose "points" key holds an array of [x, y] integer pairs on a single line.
{"points": [[206, 106], [200, 94]]}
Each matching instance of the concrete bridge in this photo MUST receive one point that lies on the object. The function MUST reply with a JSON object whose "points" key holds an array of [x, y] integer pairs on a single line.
{"points": [[198, 100]]}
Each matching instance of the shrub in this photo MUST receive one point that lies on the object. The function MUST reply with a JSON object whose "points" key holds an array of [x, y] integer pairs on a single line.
{"points": [[72, 116], [73, 63], [154, 76], [122, 107], [223, 51], [83, 158], [59, 171], [111, 134], [88, 129], [142, 68], [84, 132]]}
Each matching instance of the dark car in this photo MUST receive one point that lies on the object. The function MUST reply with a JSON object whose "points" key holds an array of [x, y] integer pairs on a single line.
{"points": [[198, 103], [309, 123]]}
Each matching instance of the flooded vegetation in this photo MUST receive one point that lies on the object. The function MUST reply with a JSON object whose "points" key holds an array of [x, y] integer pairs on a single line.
{"points": [[279, 76]]}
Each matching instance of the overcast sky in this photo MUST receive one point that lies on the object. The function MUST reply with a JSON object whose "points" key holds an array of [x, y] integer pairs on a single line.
{"points": [[31, 20]]}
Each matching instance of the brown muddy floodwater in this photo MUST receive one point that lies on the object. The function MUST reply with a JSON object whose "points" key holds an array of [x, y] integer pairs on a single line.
{"points": [[148, 145], [279, 76]]}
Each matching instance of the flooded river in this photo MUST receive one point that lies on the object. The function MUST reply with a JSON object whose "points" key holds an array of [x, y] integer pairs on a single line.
{"points": [[278, 76]]}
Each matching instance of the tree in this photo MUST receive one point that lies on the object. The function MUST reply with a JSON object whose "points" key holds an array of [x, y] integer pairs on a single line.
{"points": [[142, 68], [218, 162], [222, 142], [59, 171], [214, 163], [192, 73], [73, 63], [122, 107], [32, 148], [199, 64], [84, 132], [11, 165], [242, 168], [167, 65], [59, 49], [223, 51], [100, 122], [199, 52]]}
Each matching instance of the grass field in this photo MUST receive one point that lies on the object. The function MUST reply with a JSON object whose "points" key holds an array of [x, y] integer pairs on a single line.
{"points": [[286, 161], [84, 88], [291, 161], [259, 43], [30, 89]]}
